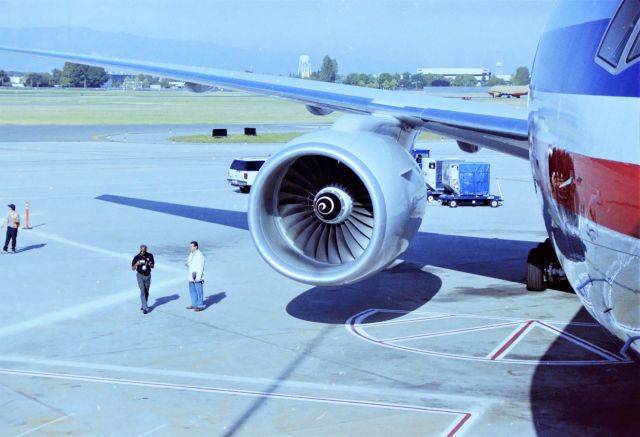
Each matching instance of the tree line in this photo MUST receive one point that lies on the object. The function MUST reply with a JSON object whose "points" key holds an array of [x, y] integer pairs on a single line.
{"points": [[71, 75], [84, 76], [329, 73]]}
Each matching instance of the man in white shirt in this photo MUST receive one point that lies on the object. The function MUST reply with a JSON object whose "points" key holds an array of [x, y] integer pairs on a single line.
{"points": [[195, 264], [12, 223]]}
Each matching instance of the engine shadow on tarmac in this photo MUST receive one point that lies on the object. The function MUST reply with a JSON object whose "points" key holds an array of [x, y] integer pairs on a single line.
{"points": [[404, 288]]}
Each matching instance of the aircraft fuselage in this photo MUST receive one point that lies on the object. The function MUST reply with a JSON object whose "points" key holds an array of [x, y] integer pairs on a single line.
{"points": [[584, 134]]}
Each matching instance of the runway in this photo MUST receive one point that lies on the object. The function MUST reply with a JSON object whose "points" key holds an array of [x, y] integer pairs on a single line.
{"points": [[447, 341]]}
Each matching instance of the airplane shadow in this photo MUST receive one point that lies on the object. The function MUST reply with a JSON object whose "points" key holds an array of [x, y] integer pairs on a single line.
{"points": [[597, 400], [491, 257], [234, 219]]}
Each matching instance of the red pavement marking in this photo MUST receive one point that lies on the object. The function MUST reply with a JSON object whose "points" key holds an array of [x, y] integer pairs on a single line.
{"points": [[513, 338]]}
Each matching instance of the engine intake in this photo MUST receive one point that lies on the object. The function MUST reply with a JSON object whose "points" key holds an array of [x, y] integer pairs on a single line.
{"points": [[325, 214]]}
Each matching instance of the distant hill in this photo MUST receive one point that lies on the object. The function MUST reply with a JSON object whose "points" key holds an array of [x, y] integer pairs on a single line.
{"points": [[197, 53], [87, 41]]}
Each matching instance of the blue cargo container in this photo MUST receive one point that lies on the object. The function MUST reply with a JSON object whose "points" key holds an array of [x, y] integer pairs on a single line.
{"points": [[474, 178], [468, 184], [467, 178]]}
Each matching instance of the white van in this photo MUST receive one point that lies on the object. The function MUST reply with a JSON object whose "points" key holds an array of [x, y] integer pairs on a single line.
{"points": [[243, 172]]}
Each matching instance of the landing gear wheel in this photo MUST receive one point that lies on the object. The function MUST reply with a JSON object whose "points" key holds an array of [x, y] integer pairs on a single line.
{"points": [[453, 204], [245, 189], [493, 204], [535, 270], [430, 198]]}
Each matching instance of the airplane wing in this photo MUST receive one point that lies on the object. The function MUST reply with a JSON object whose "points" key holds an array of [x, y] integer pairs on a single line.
{"points": [[499, 127]]}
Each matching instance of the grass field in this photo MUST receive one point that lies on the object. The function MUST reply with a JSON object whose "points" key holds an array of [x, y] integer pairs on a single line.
{"points": [[111, 107], [61, 106], [272, 137]]}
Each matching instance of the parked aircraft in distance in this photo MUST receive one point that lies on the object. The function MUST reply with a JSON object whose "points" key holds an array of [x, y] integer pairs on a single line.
{"points": [[339, 205], [509, 91]]}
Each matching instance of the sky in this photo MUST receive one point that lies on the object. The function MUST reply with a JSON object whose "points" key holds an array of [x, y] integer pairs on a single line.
{"points": [[363, 35]]}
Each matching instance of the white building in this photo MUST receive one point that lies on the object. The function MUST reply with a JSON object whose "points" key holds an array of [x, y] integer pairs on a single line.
{"points": [[450, 73], [16, 81]]}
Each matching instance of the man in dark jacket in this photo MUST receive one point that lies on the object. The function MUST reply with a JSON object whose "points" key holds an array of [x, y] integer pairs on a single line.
{"points": [[143, 263]]}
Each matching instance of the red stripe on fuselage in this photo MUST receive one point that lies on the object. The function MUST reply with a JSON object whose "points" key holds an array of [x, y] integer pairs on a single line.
{"points": [[605, 192]]}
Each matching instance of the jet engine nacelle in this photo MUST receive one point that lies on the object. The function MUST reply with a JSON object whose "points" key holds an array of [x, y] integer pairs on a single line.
{"points": [[197, 87], [334, 207], [468, 147]]}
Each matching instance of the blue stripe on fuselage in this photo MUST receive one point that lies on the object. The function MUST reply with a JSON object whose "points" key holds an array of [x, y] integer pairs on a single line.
{"points": [[569, 13], [565, 63]]}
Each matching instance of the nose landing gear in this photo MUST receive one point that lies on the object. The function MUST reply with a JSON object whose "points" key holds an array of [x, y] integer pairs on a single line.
{"points": [[543, 267]]}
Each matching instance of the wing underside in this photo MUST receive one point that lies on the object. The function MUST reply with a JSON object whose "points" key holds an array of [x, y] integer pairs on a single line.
{"points": [[498, 127]]}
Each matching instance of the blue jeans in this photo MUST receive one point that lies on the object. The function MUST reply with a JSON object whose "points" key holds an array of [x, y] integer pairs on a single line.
{"points": [[195, 290], [144, 283]]}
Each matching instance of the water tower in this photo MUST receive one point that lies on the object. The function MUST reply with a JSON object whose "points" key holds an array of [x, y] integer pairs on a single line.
{"points": [[304, 67]]}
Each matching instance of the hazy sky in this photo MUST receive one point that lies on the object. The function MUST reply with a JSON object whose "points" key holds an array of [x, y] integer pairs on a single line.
{"points": [[361, 34]]}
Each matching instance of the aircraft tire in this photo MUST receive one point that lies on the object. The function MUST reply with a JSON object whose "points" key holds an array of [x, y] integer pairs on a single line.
{"points": [[453, 204], [535, 274], [430, 198], [493, 204]]}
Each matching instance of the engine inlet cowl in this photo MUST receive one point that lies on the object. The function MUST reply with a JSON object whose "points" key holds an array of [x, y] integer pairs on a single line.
{"points": [[325, 214]]}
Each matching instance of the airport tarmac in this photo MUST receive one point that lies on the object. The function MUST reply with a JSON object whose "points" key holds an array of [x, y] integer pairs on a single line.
{"points": [[445, 342]]}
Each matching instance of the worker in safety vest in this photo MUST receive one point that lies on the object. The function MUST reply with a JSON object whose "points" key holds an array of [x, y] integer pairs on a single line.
{"points": [[12, 223]]}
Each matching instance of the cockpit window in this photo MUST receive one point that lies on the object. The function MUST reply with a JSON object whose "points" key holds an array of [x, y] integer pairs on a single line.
{"points": [[617, 40], [635, 49]]}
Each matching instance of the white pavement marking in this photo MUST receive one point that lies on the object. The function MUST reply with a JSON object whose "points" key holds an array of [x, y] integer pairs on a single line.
{"points": [[182, 374], [45, 424], [96, 249], [78, 310], [581, 342], [157, 428], [518, 334], [127, 193], [356, 326], [459, 417], [441, 333]]}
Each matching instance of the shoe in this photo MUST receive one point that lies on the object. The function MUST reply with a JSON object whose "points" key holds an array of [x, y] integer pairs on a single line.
{"points": [[145, 311], [4, 251], [191, 307]]}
